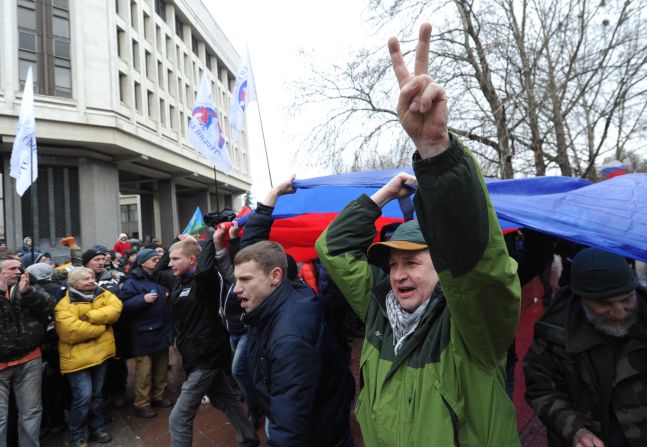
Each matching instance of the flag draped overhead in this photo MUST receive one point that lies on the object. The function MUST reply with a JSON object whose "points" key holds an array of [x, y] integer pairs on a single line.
{"points": [[244, 93], [610, 215], [24, 156], [205, 132]]}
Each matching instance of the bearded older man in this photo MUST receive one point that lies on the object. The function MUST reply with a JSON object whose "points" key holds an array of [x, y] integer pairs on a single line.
{"points": [[586, 369]]}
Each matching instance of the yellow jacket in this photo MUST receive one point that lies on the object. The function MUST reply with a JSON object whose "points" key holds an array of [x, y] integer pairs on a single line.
{"points": [[83, 344]]}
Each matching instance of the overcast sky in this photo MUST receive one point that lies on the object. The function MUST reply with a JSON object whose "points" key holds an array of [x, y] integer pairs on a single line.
{"points": [[276, 33]]}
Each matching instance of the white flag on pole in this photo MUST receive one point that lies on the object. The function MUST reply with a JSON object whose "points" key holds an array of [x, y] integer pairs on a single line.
{"points": [[244, 93], [24, 156], [204, 130]]}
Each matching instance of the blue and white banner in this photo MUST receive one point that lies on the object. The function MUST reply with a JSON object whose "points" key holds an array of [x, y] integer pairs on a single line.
{"points": [[24, 156], [244, 93], [204, 130]]}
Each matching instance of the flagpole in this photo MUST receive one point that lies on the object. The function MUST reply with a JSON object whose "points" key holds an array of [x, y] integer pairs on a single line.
{"points": [[31, 195], [258, 104], [215, 182], [267, 158]]}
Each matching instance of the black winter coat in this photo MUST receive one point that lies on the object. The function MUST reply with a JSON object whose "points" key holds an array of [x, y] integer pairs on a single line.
{"points": [[200, 334], [298, 370], [23, 321]]}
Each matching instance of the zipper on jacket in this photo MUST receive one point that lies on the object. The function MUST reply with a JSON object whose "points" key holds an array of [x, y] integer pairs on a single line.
{"points": [[454, 417]]}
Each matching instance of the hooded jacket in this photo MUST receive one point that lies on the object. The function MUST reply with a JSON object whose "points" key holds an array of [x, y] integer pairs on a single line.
{"points": [[83, 344], [445, 387]]}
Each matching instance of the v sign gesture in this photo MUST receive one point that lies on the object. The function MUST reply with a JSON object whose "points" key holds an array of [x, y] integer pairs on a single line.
{"points": [[422, 106]]}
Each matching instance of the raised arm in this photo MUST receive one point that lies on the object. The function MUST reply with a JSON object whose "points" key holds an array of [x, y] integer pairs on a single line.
{"points": [[260, 223], [456, 217]]}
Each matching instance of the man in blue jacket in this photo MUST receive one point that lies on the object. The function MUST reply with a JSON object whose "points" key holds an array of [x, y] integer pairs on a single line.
{"points": [[148, 319], [297, 367]]}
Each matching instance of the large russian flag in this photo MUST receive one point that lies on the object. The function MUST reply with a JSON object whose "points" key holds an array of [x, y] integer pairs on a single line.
{"points": [[610, 215]]}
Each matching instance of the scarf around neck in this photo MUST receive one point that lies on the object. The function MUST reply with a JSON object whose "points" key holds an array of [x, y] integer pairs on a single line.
{"points": [[403, 323], [77, 295]]}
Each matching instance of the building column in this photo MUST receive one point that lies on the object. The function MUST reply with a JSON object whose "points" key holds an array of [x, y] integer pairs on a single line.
{"points": [[12, 208], [98, 202], [203, 200], [168, 211], [148, 217]]}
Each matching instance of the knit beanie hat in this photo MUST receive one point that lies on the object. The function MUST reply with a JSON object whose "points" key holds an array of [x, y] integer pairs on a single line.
{"points": [[144, 255], [89, 254], [599, 275], [41, 271]]}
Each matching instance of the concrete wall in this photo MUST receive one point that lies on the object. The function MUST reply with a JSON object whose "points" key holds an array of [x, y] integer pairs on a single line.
{"points": [[99, 202]]}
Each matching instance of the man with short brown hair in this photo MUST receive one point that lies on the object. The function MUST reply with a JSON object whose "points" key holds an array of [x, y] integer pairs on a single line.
{"points": [[296, 365], [196, 287], [23, 317]]}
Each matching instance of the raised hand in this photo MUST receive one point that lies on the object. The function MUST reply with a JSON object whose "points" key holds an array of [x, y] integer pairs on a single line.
{"points": [[219, 237], [279, 190], [234, 230], [422, 106], [23, 284], [402, 185]]}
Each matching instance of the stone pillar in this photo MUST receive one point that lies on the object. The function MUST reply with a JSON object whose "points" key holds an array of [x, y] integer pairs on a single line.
{"points": [[203, 200], [98, 202], [148, 217], [168, 210], [12, 207]]}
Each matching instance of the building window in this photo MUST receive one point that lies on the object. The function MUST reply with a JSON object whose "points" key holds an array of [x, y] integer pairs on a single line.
{"points": [[124, 94], [160, 74], [149, 65], [133, 14], [194, 44], [151, 104], [162, 112], [172, 117], [121, 43], [169, 79], [129, 214], [169, 49], [148, 28], [160, 9], [136, 64], [138, 97], [179, 27], [44, 43]]}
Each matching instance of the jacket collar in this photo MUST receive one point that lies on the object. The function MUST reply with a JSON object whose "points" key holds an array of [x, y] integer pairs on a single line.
{"points": [[581, 335], [269, 306]]}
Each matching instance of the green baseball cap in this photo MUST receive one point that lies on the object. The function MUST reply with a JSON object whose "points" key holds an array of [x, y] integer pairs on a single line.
{"points": [[406, 237]]}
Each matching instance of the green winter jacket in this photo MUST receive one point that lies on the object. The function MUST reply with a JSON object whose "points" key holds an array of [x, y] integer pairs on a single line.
{"points": [[446, 385]]}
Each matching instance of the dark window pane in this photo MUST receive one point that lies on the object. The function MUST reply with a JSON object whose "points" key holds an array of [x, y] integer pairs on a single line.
{"points": [[178, 27], [23, 66], [26, 18], [26, 41], [63, 4], [63, 77], [61, 27], [62, 48]]}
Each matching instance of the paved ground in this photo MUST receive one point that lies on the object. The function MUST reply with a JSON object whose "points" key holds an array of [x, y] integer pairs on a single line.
{"points": [[211, 427]]}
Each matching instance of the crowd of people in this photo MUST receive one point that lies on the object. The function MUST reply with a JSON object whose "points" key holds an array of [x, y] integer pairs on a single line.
{"points": [[438, 299]]}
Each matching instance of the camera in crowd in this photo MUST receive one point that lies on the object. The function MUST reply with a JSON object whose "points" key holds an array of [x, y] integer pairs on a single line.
{"points": [[214, 218]]}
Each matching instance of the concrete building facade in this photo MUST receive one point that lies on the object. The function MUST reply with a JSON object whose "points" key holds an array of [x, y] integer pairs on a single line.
{"points": [[114, 86]]}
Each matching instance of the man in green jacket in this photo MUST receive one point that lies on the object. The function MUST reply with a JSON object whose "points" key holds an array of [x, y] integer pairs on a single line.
{"points": [[438, 324]]}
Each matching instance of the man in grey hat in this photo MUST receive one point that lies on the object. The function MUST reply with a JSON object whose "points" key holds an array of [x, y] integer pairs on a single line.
{"points": [[586, 371]]}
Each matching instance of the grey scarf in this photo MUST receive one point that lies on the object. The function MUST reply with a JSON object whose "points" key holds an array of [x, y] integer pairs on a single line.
{"points": [[77, 295], [403, 323]]}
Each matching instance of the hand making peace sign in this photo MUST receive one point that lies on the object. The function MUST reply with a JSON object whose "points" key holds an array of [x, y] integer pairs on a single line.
{"points": [[422, 106]]}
